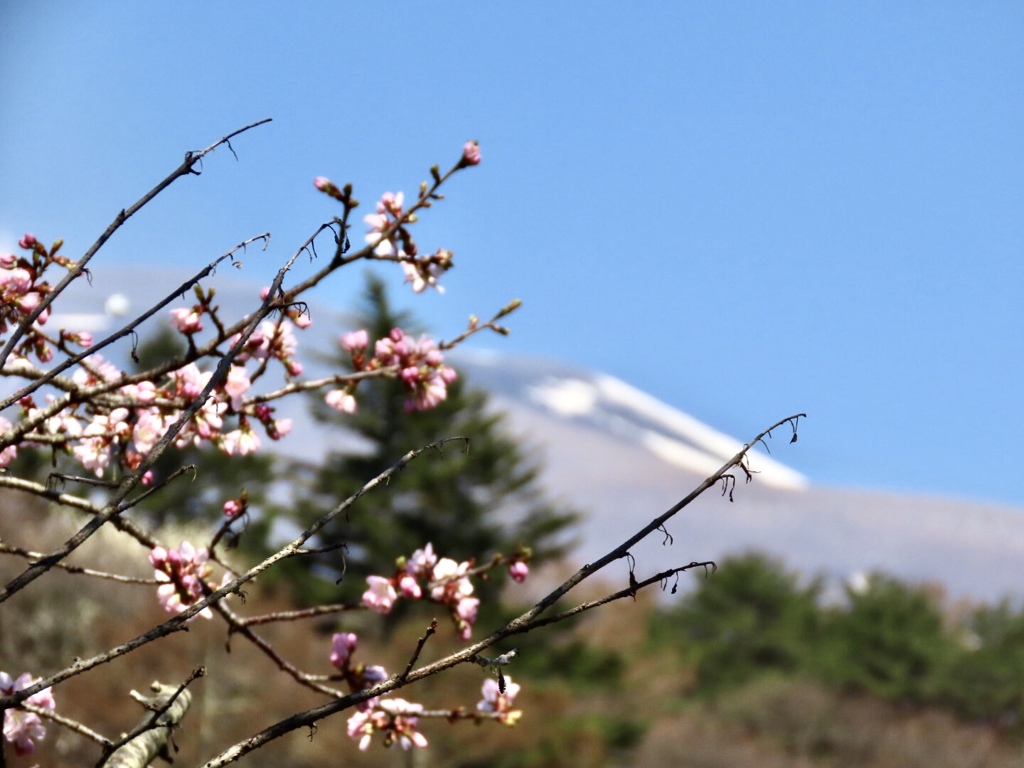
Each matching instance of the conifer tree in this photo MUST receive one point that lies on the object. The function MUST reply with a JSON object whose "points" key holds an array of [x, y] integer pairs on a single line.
{"points": [[481, 498]]}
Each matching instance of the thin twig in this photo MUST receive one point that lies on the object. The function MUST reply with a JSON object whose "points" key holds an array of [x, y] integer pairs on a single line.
{"points": [[305, 613], [431, 629], [186, 168], [12, 550]]}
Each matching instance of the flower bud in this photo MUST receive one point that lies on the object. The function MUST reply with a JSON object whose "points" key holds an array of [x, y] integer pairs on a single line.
{"points": [[470, 154]]}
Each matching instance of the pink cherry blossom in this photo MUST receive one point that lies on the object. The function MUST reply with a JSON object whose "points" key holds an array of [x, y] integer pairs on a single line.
{"points": [[256, 346], [328, 187], [422, 561], [279, 428], [283, 343], [182, 572], [207, 425], [233, 508], [500, 703], [189, 381], [420, 365], [361, 727], [381, 595], [343, 645], [241, 441], [95, 370], [150, 425], [186, 320], [452, 587], [23, 728], [93, 452], [423, 274], [236, 385], [391, 203], [382, 225], [518, 571], [409, 587], [341, 400], [144, 392], [8, 454], [15, 281], [374, 674], [465, 616], [470, 154], [355, 341], [395, 718]]}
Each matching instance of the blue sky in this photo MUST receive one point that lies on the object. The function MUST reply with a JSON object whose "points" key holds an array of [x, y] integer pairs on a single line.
{"points": [[746, 210]]}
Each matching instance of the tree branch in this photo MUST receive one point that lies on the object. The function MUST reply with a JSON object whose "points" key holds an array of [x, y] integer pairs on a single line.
{"points": [[186, 168]]}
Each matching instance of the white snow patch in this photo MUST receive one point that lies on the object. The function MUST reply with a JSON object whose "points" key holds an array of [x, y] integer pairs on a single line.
{"points": [[718, 447], [680, 454], [566, 397]]}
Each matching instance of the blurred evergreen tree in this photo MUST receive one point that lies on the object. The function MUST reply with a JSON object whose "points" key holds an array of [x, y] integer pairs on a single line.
{"points": [[985, 678], [750, 617], [468, 503], [890, 641]]}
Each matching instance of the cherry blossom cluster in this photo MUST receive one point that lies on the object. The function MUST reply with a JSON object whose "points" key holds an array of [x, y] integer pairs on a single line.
{"points": [[23, 728], [446, 582], [127, 424], [182, 573], [123, 426], [120, 426], [419, 364], [388, 226], [358, 677], [396, 718], [391, 240], [23, 288]]}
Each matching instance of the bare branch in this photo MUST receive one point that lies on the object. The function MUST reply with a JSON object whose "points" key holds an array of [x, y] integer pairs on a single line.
{"points": [[304, 613], [431, 629], [12, 550], [148, 739], [186, 168]]}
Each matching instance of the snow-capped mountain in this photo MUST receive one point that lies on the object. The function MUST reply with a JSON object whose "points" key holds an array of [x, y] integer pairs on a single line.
{"points": [[613, 406]]}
